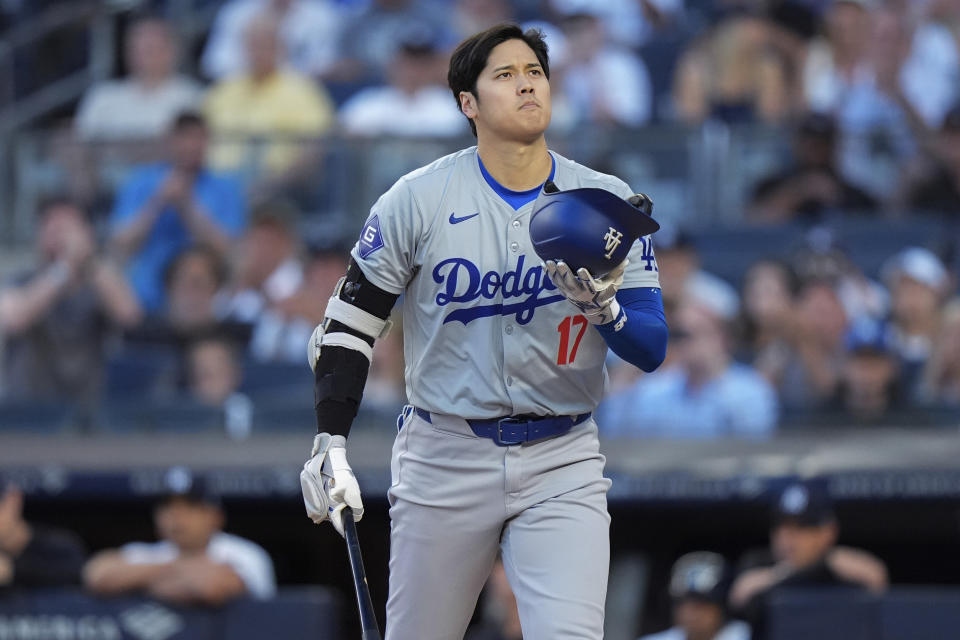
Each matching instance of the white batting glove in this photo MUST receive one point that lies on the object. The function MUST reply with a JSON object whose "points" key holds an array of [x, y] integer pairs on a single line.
{"points": [[595, 297], [328, 482]]}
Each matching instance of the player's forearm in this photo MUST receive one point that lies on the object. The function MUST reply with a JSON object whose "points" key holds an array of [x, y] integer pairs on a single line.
{"points": [[641, 338], [109, 574], [340, 377], [206, 583]]}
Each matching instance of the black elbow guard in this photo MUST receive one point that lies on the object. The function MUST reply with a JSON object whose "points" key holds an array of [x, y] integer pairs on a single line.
{"points": [[356, 314], [339, 379]]}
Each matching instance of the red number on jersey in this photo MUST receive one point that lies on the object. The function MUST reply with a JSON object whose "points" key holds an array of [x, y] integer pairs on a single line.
{"points": [[565, 355]]}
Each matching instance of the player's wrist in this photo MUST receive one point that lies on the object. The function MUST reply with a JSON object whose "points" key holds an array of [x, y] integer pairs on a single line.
{"points": [[607, 315]]}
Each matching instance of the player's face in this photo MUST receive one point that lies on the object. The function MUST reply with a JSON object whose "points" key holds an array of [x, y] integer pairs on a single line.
{"points": [[513, 95], [187, 524], [698, 619], [801, 546]]}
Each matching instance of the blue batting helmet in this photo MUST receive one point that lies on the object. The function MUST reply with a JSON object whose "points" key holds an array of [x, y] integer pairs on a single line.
{"points": [[590, 228]]}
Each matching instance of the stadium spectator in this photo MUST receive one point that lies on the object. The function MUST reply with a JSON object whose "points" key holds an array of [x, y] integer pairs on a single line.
{"points": [[851, 73], [602, 82], [191, 283], [937, 189], [268, 271], [940, 380], [58, 316], [808, 379], [704, 394], [918, 61], [869, 390], [266, 120], [918, 284], [699, 584], [500, 618], [813, 186], [145, 103], [162, 209], [822, 257], [803, 553], [413, 103], [734, 74], [214, 371], [309, 35], [33, 555], [324, 267], [194, 562], [769, 290], [371, 37]]}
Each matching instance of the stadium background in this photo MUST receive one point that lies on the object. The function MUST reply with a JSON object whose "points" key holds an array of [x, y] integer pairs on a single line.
{"points": [[820, 134]]}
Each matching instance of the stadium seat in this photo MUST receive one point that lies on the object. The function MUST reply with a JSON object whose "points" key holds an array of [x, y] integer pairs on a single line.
{"points": [[139, 371], [34, 416], [176, 415]]}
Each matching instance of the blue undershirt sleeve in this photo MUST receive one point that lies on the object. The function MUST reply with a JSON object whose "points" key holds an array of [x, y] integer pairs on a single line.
{"points": [[642, 337]]}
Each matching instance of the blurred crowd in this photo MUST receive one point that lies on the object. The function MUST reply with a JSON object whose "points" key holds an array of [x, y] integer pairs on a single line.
{"points": [[196, 278]]}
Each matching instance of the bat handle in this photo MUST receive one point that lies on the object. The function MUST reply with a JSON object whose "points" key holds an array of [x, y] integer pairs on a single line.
{"points": [[368, 621]]}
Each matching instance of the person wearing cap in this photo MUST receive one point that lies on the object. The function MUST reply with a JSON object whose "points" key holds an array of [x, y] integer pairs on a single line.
{"points": [[918, 284], [699, 583], [813, 185], [703, 393], [803, 554], [869, 390], [194, 562]]}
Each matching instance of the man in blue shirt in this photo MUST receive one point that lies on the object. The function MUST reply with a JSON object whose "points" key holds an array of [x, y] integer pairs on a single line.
{"points": [[704, 393], [162, 209]]}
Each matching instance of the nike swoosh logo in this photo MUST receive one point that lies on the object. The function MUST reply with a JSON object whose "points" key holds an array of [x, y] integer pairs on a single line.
{"points": [[454, 219]]}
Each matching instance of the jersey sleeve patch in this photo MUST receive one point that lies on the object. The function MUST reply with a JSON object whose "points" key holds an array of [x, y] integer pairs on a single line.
{"points": [[370, 238]]}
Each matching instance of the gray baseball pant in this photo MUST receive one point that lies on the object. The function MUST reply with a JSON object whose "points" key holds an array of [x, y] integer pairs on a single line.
{"points": [[455, 498]]}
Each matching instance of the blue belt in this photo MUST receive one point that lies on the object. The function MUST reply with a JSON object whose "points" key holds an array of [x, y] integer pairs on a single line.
{"points": [[516, 430]]}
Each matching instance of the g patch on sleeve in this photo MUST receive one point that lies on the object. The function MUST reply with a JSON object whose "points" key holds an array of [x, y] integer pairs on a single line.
{"points": [[370, 238]]}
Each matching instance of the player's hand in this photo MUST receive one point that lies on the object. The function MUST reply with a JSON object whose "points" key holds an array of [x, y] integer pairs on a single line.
{"points": [[328, 482], [595, 297]]}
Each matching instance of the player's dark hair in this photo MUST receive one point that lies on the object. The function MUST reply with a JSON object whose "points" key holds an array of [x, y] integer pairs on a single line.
{"points": [[470, 57]]}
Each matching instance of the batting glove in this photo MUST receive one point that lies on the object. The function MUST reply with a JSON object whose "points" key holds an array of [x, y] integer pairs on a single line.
{"points": [[595, 297], [328, 482]]}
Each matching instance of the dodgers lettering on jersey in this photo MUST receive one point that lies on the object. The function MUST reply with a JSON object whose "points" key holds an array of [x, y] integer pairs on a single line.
{"points": [[486, 333], [461, 282]]}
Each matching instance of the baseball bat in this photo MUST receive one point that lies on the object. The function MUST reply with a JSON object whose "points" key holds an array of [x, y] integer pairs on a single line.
{"points": [[368, 621]]}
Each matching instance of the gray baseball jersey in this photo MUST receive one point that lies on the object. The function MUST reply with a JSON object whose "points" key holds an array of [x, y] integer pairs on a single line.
{"points": [[486, 334]]}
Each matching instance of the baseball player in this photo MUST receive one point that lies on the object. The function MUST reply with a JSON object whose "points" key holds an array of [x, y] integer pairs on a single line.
{"points": [[504, 365]]}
